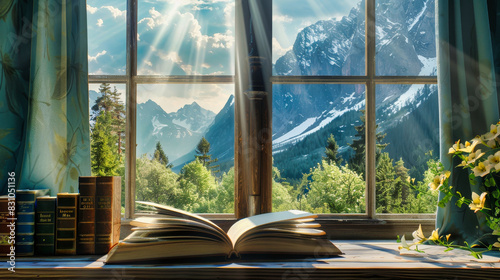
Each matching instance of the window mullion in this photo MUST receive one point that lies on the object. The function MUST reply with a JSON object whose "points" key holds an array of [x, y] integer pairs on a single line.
{"points": [[370, 124], [131, 130]]}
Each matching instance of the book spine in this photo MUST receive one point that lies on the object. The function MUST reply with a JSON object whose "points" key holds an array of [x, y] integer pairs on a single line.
{"points": [[25, 228], [66, 223], [108, 213], [45, 225], [7, 215], [86, 216]]}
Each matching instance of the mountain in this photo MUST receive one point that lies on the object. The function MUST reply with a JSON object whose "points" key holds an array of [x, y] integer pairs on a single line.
{"points": [[220, 135], [177, 132], [304, 115]]}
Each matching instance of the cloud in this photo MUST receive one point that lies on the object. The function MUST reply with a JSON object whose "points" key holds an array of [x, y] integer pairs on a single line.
{"points": [[148, 63], [175, 58], [91, 9], [281, 18], [155, 19], [99, 22], [94, 58], [205, 65], [278, 50], [115, 11]]}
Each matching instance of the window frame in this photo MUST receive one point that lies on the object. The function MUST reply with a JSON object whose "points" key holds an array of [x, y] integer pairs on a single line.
{"points": [[367, 225]]}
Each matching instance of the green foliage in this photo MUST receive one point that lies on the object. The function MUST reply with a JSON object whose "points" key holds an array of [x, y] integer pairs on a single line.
{"points": [[202, 151], [198, 189], [225, 195], [104, 160], [160, 156], [107, 133], [331, 151], [156, 183], [358, 160], [336, 190]]}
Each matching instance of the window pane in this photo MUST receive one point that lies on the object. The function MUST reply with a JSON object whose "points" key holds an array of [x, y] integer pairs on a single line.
{"points": [[304, 118], [408, 133], [318, 37], [106, 27], [406, 38], [107, 106], [172, 121], [185, 38]]}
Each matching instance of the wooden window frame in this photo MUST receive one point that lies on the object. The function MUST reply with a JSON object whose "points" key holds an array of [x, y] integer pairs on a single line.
{"points": [[369, 225]]}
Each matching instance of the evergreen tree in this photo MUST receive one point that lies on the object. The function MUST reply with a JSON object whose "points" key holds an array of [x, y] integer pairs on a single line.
{"points": [[109, 102], [203, 150], [331, 151], [357, 161], [160, 156], [104, 160], [388, 196]]}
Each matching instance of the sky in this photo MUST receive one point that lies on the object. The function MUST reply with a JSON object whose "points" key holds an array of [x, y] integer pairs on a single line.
{"points": [[189, 37]]}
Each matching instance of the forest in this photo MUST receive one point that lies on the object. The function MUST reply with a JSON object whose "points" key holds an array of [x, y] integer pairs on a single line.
{"points": [[334, 185]]}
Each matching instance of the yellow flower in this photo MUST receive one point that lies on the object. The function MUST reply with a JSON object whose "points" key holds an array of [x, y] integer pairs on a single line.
{"points": [[438, 180], [468, 147], [418, 235], [477, 201], [493, 133], [482, 169], [404, 244], [448, 237], [474, 156], [434, 235], [494, 159]]}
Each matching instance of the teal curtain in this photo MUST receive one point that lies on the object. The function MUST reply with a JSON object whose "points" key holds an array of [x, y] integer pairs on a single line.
{"points": [[44, 115], [468, 98]]}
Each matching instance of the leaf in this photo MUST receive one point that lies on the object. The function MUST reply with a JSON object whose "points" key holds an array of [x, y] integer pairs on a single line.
{"points": [[449, 249], [73, 173]]}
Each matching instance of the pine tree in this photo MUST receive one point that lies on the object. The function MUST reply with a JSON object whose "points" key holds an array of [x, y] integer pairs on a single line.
{"points": [[109, 102], [160, 156], [104, 161], [202, 151], [357, 162], [331, 151]]}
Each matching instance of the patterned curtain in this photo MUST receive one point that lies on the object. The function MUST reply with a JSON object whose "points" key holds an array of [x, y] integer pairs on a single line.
{"points": [[468, 98], [44, 115]]}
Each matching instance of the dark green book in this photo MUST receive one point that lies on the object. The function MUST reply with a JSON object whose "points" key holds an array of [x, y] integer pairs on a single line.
{"points": [[45, 225], [66, 221], [25, 224]]}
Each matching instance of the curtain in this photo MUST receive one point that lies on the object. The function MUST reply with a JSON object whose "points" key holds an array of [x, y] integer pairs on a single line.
{"points": [[468, 99], [44, 115]]}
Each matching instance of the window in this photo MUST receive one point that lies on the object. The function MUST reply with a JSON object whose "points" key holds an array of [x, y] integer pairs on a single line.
{"points": [[358, 72], [332, 71]]}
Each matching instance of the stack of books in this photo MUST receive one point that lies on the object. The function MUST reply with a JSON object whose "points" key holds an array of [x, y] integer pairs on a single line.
{"points": [[84, 223]]}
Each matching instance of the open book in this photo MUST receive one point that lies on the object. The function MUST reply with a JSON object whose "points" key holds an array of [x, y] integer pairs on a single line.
{"points": [[183, 235]]}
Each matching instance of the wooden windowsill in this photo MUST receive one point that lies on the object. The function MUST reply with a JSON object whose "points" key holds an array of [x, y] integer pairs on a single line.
{"points": [[361, 260]]}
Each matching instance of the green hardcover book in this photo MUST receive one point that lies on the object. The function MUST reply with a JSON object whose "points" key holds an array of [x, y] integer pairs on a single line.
{"points": [[25, 223], [45, 225], [85, 243], [66, 221], [7, 215]]}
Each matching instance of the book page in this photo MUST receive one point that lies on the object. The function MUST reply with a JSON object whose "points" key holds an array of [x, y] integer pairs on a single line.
{"points": [[171, 211], [246, 224]]}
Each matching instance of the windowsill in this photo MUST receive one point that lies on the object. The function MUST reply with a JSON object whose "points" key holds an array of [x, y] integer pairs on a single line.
{"points": [[361, 259]]}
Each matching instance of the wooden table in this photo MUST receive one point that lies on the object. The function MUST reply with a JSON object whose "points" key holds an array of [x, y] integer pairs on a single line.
{"points": [[361, 260]]}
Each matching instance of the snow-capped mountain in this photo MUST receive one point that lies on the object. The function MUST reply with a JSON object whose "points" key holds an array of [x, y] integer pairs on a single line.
{"points": [[177, 132]]}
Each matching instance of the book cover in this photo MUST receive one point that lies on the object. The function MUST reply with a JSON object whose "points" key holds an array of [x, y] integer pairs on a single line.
{"points": [[45, 225], [66, 223], [85, 244], [108, 213], [181, 236], [25, 223], [7, 215]]}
